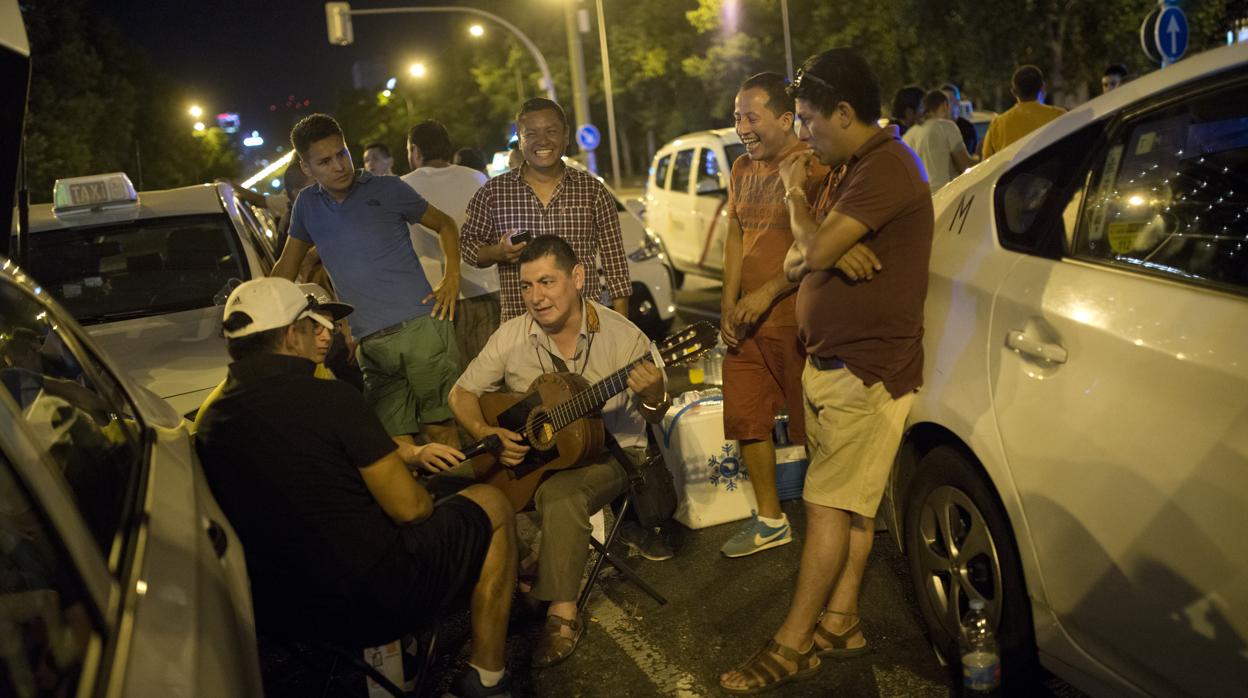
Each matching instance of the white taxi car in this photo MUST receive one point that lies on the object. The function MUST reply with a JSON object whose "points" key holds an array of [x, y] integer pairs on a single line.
{"points": [[1078, 454], [686, 194], [142, 272]]}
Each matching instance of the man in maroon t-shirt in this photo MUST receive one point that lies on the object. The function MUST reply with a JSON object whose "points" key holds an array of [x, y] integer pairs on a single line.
{"points": [[861, 253]]}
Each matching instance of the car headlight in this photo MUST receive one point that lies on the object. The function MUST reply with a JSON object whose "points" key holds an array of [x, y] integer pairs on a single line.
{"points": [[651, 247]]}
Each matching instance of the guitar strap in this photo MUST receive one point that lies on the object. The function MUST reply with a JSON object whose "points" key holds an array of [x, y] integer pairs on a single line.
{"points": [[591, 324]]}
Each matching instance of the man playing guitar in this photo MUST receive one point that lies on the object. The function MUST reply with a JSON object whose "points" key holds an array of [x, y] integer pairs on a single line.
{"points": [[561, 332]]}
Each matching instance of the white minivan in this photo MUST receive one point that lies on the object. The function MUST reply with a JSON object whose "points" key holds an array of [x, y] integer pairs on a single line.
{"points": [[687, 196]]}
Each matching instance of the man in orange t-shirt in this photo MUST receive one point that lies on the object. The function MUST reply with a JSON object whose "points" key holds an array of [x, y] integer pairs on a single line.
{"points": [[763, 369]]}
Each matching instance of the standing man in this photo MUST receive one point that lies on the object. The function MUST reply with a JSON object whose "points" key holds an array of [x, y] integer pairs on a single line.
{"points": [[1021, 119], [937, 141], [377, 160], [965, 127], [562, 330], [763, 369], [861, 253], [907, 105], [449, 188], [359, 225], [546, 197]]}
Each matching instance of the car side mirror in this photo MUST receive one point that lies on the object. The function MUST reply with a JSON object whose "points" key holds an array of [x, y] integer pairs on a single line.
{"points": [[710, 187]]}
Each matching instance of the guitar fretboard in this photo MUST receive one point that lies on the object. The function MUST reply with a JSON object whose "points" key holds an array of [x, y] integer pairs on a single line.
{"points": [[591, 398]]}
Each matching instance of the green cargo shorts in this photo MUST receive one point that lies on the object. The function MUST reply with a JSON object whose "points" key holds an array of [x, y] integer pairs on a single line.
{"points": [[408, 374]]}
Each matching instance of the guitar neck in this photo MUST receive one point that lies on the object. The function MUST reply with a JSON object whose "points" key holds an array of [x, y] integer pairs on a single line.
{"points": [[592, 397]]}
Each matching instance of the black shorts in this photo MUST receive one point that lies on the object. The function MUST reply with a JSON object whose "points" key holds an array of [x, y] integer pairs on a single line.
{"points": [[446, 551]]}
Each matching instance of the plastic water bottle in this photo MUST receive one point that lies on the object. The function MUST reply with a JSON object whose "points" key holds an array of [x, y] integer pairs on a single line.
{"points": [[981, 659]]}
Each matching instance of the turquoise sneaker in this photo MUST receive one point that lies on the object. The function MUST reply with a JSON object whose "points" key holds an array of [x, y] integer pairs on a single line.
{"points": [[756, 537]]}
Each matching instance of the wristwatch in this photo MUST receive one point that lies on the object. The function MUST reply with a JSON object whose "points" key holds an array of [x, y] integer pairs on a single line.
{"points": [[665, 401], [801, 193]]}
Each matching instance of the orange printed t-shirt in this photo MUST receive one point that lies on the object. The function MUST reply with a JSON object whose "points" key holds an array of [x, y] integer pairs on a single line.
{"points": [[756, 200]]}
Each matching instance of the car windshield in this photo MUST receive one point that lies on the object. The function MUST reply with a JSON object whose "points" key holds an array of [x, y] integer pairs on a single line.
{"points": [[733, 151], [139, 268]]}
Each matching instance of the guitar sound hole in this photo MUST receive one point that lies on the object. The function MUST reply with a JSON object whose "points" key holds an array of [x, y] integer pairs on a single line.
{"points": [[539, 430]]}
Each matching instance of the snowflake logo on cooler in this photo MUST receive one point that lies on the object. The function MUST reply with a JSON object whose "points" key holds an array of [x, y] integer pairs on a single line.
{"points": [[726, 468]]}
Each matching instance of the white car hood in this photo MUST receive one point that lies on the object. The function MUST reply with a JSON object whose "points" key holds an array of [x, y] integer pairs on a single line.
{"points": [[172, 355]]}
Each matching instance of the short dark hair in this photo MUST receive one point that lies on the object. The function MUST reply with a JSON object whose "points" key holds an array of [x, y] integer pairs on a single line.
{"points": [[774, 84], [1117, 69], [908, 97], [432, 139], [839, 75], [311, 129], [953, 88], [266, 342], [1027, 82], [470, 157], [933, 100], [542, 104], [552, 245], [385, 149]]}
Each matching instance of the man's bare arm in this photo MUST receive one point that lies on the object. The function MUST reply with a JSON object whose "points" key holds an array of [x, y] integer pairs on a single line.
{"points": [[447, 292], [293, 252], [399, 494]]}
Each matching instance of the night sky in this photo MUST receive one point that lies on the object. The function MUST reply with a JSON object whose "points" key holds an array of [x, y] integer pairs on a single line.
{"points": [[235, 55]]}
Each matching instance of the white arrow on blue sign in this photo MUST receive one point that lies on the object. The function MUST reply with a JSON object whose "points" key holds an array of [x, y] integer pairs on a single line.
{"points": [[588, 136], [1171, 34]]}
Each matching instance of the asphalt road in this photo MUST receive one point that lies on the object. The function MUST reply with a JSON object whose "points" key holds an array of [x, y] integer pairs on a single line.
{"points": [[719, 611]]}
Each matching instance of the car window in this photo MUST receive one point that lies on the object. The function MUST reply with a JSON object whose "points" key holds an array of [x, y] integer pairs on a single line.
{"points": [[73, 410], [45, 620], [144, 267], [684, 168], [1032, 197], [1169, 194], [708, 171], [732, 151], [660, 171], [255, 233]]}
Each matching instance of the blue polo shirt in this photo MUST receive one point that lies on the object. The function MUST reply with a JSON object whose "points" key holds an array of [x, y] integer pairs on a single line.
{"points": [[365, 246]]}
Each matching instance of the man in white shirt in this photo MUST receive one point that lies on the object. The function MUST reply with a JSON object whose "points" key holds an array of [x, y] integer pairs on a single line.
{"points": [[938, 142], [450, 188]]}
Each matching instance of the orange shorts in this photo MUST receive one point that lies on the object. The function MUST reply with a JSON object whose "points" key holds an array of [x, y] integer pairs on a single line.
{"points": [[762, 374]]}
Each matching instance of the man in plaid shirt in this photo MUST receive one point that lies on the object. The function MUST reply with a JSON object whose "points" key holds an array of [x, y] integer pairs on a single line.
{"points": [[545, 197]]}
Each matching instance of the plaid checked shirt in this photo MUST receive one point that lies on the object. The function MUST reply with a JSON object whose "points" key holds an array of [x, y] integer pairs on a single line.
{"points": [[581, 211]]}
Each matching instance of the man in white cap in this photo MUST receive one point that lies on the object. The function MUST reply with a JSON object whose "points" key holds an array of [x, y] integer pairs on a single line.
{"points": [[342, 543]]}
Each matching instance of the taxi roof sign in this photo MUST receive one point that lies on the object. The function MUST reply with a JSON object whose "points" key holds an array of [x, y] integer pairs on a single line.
{"points": [[93, 193]]}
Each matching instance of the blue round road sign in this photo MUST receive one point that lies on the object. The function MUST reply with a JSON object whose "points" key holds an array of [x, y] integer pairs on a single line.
{"points": [[1171, 34], [588, 137]]}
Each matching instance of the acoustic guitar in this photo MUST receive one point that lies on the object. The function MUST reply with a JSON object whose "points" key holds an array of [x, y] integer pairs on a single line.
{"points": [[559, 416]]}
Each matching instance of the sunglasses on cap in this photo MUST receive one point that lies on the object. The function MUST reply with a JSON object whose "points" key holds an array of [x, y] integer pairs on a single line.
{"points": [[803, 77]]}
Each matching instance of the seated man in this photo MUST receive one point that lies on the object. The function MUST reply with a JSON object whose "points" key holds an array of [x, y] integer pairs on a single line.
{"points": [[341, 541], [562, 332]]}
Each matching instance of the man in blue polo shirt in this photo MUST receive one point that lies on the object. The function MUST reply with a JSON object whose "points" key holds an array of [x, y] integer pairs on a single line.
{"points": [[359, 225]]}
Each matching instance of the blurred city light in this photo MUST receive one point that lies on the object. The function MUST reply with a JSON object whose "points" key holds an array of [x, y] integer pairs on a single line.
{"points": [[386, 93], [417, 70], [195, 111], [254, 140], [476, 30], [271, 169], [391, 83], [276, 183], [199, 126]]}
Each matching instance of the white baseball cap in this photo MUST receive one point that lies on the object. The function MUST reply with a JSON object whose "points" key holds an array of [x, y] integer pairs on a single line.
{"points": [[270, 302], [336, 309]]}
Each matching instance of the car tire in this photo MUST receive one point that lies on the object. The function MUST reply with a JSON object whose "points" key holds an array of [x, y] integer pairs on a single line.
{"points": [[644, 313], [984, 561]]}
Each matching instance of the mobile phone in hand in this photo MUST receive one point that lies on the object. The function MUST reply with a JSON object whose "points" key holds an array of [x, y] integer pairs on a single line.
{"points": [[520, 237]]}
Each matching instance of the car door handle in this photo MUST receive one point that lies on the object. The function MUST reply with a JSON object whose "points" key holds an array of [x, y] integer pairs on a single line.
{"points": [[216, 534], [1045, 351]]}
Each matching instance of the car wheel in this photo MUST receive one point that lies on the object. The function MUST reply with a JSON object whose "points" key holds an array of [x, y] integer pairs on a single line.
{"points": [[960, 546], [678, 278]]}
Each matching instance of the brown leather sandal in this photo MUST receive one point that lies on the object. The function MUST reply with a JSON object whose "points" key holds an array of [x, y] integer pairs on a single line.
{"points": [[762, 672], [837, 644], [553, 647]]}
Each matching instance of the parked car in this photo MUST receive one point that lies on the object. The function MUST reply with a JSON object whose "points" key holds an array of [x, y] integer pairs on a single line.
{"points": [[686, 194], [1077, 456], [142, 271], [119, 575]]}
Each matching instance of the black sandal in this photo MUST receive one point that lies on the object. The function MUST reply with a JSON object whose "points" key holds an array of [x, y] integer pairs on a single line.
{"points": [[762, 672]]}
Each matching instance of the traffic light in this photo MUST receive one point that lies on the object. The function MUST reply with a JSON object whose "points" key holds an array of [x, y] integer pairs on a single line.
{"points": [[338, 20]]}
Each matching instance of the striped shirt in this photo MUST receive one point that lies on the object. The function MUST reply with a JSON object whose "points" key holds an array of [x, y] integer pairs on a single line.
{"points": [[581, 211], [756, 200]]}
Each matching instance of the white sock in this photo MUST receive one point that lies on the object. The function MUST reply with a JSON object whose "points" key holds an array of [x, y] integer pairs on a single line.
{"points": [[489, 679], [774, 523]]}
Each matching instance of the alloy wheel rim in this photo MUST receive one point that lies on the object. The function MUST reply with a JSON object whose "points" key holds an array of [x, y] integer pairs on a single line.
{"points": [[957, 557]]}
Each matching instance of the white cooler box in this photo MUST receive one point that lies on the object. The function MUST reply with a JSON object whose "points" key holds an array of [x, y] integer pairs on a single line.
{"points": [[711, 483]]}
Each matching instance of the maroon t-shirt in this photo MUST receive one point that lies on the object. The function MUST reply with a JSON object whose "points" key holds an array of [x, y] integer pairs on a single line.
{"points": [[876, 326]]}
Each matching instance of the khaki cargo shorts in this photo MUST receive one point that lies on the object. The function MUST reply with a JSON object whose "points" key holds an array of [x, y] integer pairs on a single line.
{"points": [[852, 435]]}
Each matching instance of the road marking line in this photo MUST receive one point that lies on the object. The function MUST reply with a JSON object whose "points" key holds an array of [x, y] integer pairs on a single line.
{"points": [[670, 679], [696, 311]]}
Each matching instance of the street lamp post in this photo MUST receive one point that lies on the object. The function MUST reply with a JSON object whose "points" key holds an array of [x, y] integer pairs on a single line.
{"points": [[338, 15], [606, 87], [576, 62], [788, 40]]}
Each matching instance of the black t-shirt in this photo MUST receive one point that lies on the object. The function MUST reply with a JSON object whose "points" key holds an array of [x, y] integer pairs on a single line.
{"points": [[282, 452], [969, 136]]}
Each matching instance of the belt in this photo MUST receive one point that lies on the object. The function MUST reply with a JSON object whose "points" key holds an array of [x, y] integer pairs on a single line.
{"points": [[828, 364], [390, 330]]}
